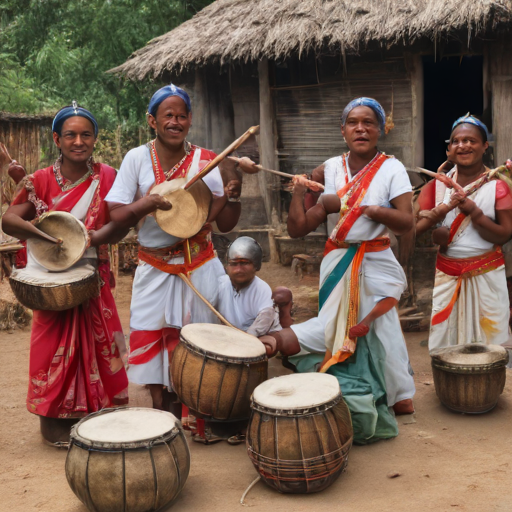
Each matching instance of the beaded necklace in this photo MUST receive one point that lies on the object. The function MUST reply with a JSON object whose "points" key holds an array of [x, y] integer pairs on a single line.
{"points": [[66, 184], [156, 161]]}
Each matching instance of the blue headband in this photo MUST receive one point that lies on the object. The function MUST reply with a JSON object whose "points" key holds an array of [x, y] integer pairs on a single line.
{"points": [[73, 110], [365, 102], [469, 119], [166, 92]]}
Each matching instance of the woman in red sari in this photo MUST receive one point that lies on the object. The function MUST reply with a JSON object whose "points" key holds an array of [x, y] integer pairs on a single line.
{"points": [[76, 364]]}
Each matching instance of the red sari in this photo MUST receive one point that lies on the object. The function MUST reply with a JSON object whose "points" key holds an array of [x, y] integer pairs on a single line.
{"points": [[75, 363]]}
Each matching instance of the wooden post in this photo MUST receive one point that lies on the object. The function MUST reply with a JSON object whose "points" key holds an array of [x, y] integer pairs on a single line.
{"points": [[418, 121], [267, 145], [200, 132], [501, 80]]}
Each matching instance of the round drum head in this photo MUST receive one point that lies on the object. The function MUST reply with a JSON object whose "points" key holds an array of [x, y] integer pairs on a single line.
{"points": [[189, 207], [70, 230], [130, 425], [223, 340], [471, 354], [297, 391]]}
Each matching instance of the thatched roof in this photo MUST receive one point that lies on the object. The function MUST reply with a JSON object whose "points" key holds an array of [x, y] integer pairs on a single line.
{"points": [[247, 30], [25, 118]]}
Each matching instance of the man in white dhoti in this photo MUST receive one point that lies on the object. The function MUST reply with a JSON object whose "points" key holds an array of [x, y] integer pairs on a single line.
{"points": [[161, 302], [361, 281], [470, 300]]}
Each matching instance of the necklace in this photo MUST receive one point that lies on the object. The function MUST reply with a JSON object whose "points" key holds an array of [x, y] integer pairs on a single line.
{"points": [[66, 184], [156, 161]]}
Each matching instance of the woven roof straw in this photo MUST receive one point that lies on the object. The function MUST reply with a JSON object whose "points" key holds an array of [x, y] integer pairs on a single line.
{"points": [[248, 30]]}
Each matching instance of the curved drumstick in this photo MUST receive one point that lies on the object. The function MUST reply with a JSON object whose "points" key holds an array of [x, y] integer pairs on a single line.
{"points": [[313, 185], [442, 178]]}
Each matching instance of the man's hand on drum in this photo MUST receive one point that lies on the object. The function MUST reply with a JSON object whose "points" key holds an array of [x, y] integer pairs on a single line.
{"points": [[247, 165], [159, 202], [270, 344]]}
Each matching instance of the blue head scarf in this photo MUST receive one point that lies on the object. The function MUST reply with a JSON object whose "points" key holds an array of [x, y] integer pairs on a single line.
{"points": [[365, 102], [469, 119], [73, 110], [166, 92]]}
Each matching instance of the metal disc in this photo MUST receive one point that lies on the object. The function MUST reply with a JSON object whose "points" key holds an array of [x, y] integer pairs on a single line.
{"points": [[70, 230], [189, 207]]}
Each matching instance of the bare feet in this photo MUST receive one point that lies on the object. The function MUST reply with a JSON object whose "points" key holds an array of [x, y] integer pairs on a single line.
{"points": [[404, 407]]}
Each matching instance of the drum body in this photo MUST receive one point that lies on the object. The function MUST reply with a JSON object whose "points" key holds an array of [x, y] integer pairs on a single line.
{"points": [[215, 369], [55, 291], [469, 378], [142, 471], [300, 432]]}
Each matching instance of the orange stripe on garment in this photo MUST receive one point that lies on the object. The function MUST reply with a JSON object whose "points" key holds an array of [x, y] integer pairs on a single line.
{"points": [[454, 228]]}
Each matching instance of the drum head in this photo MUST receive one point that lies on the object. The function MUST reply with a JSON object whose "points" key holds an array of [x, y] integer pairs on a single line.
{"points": [[130, 425], [38, 277], [189, 207], [70, 230], [469, 355], [297, 391], [223, 340]]}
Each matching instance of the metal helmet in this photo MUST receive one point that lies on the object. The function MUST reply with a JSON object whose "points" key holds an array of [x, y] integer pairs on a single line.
{"points": [[246, 248]]}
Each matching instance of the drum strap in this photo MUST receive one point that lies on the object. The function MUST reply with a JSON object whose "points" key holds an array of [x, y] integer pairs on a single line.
{"points": [[463, 268]]}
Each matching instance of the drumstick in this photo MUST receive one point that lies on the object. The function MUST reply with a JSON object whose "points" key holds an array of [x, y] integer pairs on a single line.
{"points": [[4, 149], [206, 301], [254, 130], [278, 173]]}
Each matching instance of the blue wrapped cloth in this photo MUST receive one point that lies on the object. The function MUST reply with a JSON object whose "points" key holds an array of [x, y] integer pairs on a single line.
{"points": [[167, 92], [469, 119], [365, 102], [72, 110]]}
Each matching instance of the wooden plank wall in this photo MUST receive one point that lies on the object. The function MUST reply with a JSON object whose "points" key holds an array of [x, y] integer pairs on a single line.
{"points": [[28, 142], [308, 117]]}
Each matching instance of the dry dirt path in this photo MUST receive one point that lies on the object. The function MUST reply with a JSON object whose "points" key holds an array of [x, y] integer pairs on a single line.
{"points": [[447, 462]]}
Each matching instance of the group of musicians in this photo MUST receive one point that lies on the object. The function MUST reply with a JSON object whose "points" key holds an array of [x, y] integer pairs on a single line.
{"points": [[78, 356]]}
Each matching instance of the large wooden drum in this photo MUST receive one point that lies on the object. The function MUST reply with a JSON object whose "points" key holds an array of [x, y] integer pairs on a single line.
{"points": [[55, 291], [215, 369], [300, 432], [127, 460], [469, 378]]}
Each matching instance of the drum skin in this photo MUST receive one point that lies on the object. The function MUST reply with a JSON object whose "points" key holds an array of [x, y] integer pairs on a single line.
{"points": [[469, 388], [129, 479], [213, 386], [300, 453]]}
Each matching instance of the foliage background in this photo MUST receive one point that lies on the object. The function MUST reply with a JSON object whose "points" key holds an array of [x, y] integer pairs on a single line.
{"points": [[56, 51]]}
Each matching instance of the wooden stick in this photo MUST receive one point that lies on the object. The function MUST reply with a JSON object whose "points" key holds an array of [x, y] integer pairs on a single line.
{"points": [[254, 130], [279, 173], [206, 301]]}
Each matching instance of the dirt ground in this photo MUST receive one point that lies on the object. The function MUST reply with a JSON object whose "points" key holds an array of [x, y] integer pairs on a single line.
{"points": [[445, 461]]}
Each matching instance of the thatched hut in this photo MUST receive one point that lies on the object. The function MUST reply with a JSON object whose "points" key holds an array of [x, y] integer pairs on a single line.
{"points": [[291, 66]]}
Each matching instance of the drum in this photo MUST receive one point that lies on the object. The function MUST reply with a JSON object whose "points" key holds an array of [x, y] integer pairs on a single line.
{"points": [[469, 378], [127, 460], [70, 230], [300, 432], [55, 291], [215, 369]]}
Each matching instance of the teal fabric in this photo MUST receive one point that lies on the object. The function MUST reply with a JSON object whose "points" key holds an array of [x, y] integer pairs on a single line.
{"points": [[335, 276], [362, 383]]}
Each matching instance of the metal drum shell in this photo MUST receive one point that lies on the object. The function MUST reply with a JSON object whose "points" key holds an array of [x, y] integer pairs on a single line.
{"points": [[144, 476], [469, 388], [214, 386], [58, 297], [300, 451]]}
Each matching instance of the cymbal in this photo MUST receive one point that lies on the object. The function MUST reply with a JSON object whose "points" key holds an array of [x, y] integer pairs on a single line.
{"points": [[70, 230], [189, 207]]}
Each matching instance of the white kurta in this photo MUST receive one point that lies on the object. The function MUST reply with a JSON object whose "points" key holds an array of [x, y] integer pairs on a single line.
{"points": [[241, 308], [159, 299], [381, 277], [481, 313]]}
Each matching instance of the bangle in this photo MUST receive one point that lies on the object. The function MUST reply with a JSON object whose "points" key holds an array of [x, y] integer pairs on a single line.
{"points": [[234, 200]]}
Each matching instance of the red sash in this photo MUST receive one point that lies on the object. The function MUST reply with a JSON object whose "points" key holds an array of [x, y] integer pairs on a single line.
{"points": [[353, 193]]}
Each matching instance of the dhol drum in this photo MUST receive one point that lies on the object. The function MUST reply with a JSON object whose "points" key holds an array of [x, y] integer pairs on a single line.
{"points": [[215, 369], [55, 291], [127, 460], [300, 432], [469, 378]]}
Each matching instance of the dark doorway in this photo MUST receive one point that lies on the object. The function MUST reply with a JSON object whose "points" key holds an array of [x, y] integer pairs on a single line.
{"points": [[453, 86]]}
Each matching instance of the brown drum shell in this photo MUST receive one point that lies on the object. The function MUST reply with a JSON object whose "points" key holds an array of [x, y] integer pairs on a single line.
{"points": [[56, 298], [300, 453], [128, 479], [214, 386], [473, 392]]}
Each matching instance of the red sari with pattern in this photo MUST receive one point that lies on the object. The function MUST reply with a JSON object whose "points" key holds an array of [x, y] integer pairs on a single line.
{"points": [[75, 363]]}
